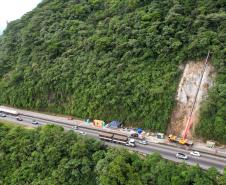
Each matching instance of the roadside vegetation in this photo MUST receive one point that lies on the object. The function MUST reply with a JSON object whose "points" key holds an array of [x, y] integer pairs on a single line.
{"points": [[114, 59], [49, 155]]}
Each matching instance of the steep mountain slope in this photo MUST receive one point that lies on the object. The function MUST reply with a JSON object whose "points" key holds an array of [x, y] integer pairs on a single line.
{"points": [[112, 59]]}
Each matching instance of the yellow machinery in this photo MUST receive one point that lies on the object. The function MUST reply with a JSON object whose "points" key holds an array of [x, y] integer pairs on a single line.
{"points": [[179, 140]]}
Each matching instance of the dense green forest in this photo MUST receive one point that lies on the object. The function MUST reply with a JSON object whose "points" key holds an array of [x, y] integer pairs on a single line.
{"points": [[48, 155], [115, 59]]}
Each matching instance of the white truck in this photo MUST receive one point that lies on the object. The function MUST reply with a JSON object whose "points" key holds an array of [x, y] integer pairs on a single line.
{"points": [[117, 138]]}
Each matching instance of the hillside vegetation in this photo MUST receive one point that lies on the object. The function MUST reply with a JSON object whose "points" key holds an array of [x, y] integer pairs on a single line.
{"points": [[114, 59], [48, 155]]}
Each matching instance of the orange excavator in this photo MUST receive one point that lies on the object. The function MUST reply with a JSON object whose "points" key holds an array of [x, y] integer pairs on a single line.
{"points": [[184, 140]]}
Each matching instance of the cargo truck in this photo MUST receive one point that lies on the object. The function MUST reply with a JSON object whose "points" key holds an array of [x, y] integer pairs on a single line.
{"points": [[117, 138], [8, 111]]}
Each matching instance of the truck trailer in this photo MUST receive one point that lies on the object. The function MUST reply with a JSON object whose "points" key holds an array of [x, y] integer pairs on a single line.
{"points": [[8, 111], [117, 138]]}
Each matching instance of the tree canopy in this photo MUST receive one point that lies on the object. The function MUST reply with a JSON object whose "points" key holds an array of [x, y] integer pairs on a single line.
{"points": [[49, 155]]}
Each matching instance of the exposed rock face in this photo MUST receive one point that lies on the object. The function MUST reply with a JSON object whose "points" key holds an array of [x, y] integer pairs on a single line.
{"points": [[186, 93]]}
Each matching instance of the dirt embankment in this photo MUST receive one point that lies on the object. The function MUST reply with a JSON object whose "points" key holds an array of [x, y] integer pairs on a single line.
{"points": [[186, 96]]}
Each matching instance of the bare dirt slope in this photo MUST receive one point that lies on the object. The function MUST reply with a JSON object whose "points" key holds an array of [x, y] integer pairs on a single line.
{"points": [[186, 95]]}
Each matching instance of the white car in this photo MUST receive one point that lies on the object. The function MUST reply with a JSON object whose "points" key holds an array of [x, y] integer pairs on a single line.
{"points": [[19, 118], [34, 122], [143, 142], [195, 153], [75, 127], [181, 156], [2, 115], [82, 133]]}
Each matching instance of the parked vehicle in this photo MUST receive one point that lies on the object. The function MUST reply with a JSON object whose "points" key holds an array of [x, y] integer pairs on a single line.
{"points": [[34, 122], [2, 115], [179, 140], [181, 156], [19, 118], [117, 138], [143, 142], [75, 127], [125, 129], [195, 153], [134, 135]]}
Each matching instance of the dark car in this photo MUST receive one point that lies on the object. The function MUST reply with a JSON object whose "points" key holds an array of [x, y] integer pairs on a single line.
{"points": [[135, 135]]}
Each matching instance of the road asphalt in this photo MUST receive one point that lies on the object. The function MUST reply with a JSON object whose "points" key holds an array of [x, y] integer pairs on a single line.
{"points": [[205, 161]]}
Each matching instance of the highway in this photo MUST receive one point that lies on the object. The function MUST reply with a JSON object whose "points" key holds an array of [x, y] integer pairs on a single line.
{"points": [[205, 161]]}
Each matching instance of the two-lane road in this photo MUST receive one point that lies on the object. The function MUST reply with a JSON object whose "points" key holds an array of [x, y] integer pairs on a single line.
{"points": [[168, 152]]}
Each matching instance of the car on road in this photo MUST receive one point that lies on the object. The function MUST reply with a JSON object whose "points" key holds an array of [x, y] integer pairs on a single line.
{"points": [[75, 127], [195, 153], [2, 115], [19, 118], [143, 142], [125, 129], [82, 133], [181, 156], [34, 122]]}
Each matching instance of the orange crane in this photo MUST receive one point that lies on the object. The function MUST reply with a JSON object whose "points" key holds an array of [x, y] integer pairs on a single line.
{"points": [[189, 122], [180, 140], [184, 140]]}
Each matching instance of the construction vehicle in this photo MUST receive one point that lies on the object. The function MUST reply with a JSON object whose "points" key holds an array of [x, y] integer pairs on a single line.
{"points": [[117, 138], [184, 140], [180, 140], [189, 121]]}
